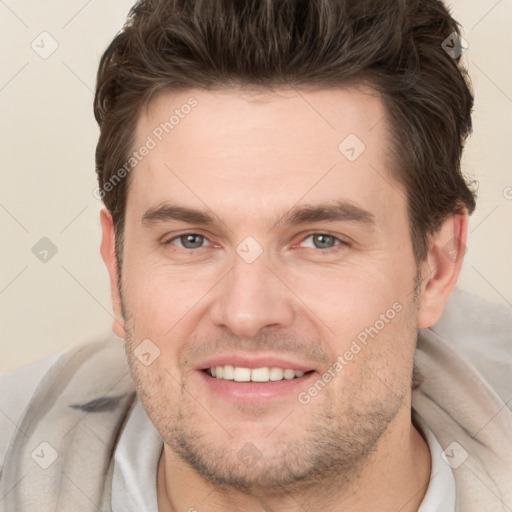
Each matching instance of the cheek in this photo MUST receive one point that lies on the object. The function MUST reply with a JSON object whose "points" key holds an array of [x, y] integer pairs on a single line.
{"points": [[351, 298], [367, 316], [159, 295], [374, 348]]}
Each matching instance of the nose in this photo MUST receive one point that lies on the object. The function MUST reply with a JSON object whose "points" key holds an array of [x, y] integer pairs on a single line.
{"points": [[252, 298]]}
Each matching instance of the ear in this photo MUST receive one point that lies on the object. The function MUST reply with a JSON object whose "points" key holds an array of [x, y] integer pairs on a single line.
{"points": [[108, 254], [441, 268]]}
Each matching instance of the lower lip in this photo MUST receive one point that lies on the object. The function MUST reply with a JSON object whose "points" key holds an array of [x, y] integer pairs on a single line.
{"points": [[256, 391]]}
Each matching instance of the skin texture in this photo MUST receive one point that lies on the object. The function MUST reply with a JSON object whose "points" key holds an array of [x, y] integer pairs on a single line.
{"points": [[247, 159]]}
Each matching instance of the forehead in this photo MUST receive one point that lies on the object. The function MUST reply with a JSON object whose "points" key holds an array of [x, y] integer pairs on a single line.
{"points": [[249, 151]]}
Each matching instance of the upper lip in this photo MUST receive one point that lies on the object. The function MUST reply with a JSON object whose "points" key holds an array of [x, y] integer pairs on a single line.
{"points": [[253, 361]]}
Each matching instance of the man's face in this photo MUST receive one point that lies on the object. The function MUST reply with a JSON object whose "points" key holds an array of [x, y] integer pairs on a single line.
{"points": [[261, 286]]}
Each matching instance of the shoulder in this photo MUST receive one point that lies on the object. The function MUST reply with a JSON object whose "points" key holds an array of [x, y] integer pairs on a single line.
{"points": [[482, 332], [465, 363], [16, 389], [84, 374]]}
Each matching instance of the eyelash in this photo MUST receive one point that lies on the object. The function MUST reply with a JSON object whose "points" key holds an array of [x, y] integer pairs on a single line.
{"points": [[335, 248]]}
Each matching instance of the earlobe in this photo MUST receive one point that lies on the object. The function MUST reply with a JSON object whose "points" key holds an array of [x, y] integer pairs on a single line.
{"points": [[442, 267], [108, 254]]}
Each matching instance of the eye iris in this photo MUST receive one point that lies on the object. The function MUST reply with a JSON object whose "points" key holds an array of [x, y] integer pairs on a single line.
{"points": [[323, 241], [191, 241]]}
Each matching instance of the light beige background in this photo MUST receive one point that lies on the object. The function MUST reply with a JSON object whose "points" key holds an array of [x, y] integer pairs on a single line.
{"points": [[48, 136]]}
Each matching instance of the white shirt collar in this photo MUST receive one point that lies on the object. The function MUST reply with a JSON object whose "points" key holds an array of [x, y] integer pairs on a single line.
{"points": [[135, 464], [441, 493]]}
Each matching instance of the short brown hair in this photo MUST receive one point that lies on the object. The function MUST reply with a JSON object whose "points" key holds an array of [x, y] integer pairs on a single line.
{"points": [[393, 46]]}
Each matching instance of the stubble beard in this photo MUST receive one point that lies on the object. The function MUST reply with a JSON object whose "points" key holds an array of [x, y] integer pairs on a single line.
{"points": [[333, 449]]}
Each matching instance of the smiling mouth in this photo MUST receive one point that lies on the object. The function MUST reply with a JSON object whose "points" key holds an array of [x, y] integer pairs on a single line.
{"points": [[263, 374]]}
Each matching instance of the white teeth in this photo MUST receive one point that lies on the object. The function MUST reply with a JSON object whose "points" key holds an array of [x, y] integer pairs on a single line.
{"points": [[263, 374], [276, 373], [229, 372], [288, 374], [260, 374], [241, 374]]}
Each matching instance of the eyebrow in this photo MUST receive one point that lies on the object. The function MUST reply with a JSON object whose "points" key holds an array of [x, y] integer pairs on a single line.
{"points": [[343, 211]]}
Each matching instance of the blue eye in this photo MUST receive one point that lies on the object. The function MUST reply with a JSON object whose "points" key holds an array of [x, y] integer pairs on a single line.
{"points": [[189, 240], [323, 241]]}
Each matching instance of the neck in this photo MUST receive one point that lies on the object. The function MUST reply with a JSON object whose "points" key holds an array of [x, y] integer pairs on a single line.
{"points": [[394, 477]]}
